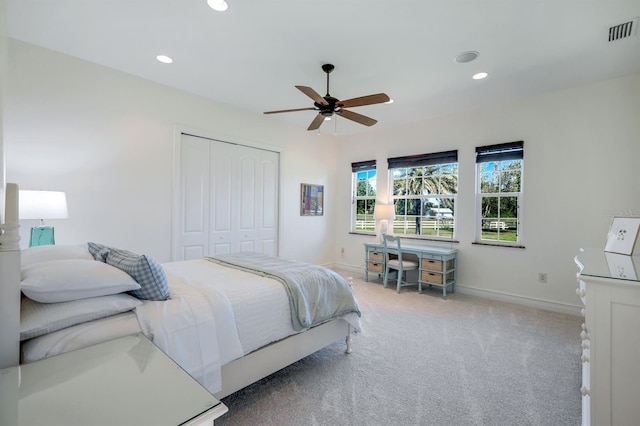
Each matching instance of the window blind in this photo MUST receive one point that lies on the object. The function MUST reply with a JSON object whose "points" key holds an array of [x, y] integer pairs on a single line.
{"points": [[420, 160], [499, 152], [363, 165]]}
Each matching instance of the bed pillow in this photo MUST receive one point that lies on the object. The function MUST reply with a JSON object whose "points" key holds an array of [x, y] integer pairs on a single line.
{"points": [[146, 271], [71, 279], [37, 319], [79, 336], [99, 251], [44, 253]]}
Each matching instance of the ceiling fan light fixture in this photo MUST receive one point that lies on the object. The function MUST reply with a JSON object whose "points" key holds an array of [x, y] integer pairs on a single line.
{"points": [[218, 5], [390, 101]]}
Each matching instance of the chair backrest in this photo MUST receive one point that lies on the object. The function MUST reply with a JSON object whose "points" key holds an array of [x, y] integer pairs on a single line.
{"points": [[393, 243]]}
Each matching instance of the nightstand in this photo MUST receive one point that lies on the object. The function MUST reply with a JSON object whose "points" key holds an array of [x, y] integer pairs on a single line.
{"points": [[126, 381]]}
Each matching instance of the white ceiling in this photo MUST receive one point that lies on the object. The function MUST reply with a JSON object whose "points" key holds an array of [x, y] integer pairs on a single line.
{"points": [[252, 55]]}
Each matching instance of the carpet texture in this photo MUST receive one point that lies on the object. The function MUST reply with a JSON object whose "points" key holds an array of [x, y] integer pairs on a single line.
{"points": [[422, 360]]}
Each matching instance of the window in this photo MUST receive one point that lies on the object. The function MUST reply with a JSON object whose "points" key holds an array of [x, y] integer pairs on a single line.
{"points": [[424, 193], [499, 193], [364, 196]]}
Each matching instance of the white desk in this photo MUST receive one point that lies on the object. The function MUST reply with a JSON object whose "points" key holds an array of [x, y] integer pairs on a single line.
{"points": [[126, 381], [437, 265]]}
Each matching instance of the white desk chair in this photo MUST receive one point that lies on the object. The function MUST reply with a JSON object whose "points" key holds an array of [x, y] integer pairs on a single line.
{"points": [[401, 266]]}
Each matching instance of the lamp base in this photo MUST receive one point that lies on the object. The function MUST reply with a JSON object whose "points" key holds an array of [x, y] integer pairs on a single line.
{"points": [[42, 236], [382, 229]]}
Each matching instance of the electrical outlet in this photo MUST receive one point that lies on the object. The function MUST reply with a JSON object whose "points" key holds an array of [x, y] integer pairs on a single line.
{"points": [[542, 277]]}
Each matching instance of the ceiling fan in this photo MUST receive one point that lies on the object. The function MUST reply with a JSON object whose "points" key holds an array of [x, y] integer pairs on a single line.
{"points": [[328, 105]]}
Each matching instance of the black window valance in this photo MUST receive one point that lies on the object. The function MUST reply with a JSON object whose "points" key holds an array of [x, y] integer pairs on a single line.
{"points": [[499, 152], [421, 160], [363, 165]]}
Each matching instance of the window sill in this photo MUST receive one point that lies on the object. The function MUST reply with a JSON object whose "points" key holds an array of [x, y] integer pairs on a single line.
{"points": [[369, 234], [517, 246]]}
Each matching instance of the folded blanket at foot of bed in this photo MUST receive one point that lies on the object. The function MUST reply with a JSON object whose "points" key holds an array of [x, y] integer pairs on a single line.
{"points": [[316, 294]]}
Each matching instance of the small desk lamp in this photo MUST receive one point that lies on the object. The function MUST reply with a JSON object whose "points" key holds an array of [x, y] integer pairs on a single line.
{"points": [[384, 212], [42, 205]]}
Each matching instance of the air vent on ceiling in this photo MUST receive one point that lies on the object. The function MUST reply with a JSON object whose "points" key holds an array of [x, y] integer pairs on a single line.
{"points": [[624, 30]]}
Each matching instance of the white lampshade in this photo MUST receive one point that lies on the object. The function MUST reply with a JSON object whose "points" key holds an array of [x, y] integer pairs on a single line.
{"points": [[43, 205], [384, 211]]}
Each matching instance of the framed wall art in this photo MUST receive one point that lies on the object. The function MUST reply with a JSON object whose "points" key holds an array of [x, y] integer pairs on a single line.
{"points": [[622, 235], [311, 200]]}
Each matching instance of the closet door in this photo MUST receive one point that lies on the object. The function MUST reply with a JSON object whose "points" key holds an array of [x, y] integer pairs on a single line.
{"points": [[238, 199]]}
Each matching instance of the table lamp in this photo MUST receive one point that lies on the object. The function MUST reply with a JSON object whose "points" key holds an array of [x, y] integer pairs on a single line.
{"points": [[383, 212], [42, 205]]}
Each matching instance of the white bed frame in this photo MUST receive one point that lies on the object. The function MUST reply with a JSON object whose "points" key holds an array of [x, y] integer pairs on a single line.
{"points": [[235, 375]]}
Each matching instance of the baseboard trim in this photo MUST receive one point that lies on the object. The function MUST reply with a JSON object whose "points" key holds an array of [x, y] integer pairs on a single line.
{"points": [[345, 267], [531, 302]]}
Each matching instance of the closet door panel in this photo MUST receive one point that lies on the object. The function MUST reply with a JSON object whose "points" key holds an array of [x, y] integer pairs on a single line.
{"points": [[223, 199], [194, 201], [268, 221], [248, 199]]}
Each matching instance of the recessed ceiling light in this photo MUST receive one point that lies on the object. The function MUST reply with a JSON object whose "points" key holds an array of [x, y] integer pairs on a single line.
{"points": [[164, 59], [465, 57], [219, 5], [480, 76]]}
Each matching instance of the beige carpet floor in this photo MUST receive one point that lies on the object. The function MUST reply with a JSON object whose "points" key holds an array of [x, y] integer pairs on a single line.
{"points": [[422, 360]]}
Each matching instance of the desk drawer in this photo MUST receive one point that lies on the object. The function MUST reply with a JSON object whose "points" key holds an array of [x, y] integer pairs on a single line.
{"points": [[434, 277], [374, 266], [375, 256], [435, 265]]}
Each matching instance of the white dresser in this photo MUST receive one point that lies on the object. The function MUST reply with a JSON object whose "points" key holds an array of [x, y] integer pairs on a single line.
{"points": [[609, 287]]}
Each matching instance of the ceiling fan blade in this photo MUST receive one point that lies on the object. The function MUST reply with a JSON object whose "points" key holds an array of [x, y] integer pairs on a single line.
{"points": [[358, 118], [312, 94], [315, 124], [290, 110], [378, 98]]}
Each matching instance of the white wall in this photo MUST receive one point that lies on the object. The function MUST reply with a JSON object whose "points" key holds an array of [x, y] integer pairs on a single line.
{"points": [[582, 166], [106, 138]]}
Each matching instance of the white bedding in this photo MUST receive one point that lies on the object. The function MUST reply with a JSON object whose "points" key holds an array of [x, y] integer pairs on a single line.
{"points": [[216, 314]]}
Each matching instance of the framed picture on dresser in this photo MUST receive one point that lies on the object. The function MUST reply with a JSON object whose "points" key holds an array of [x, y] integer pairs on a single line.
{"points": [[622, 235]]}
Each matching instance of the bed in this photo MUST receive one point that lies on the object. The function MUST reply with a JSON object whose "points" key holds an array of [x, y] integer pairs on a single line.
{"points": [[228, 320]]}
